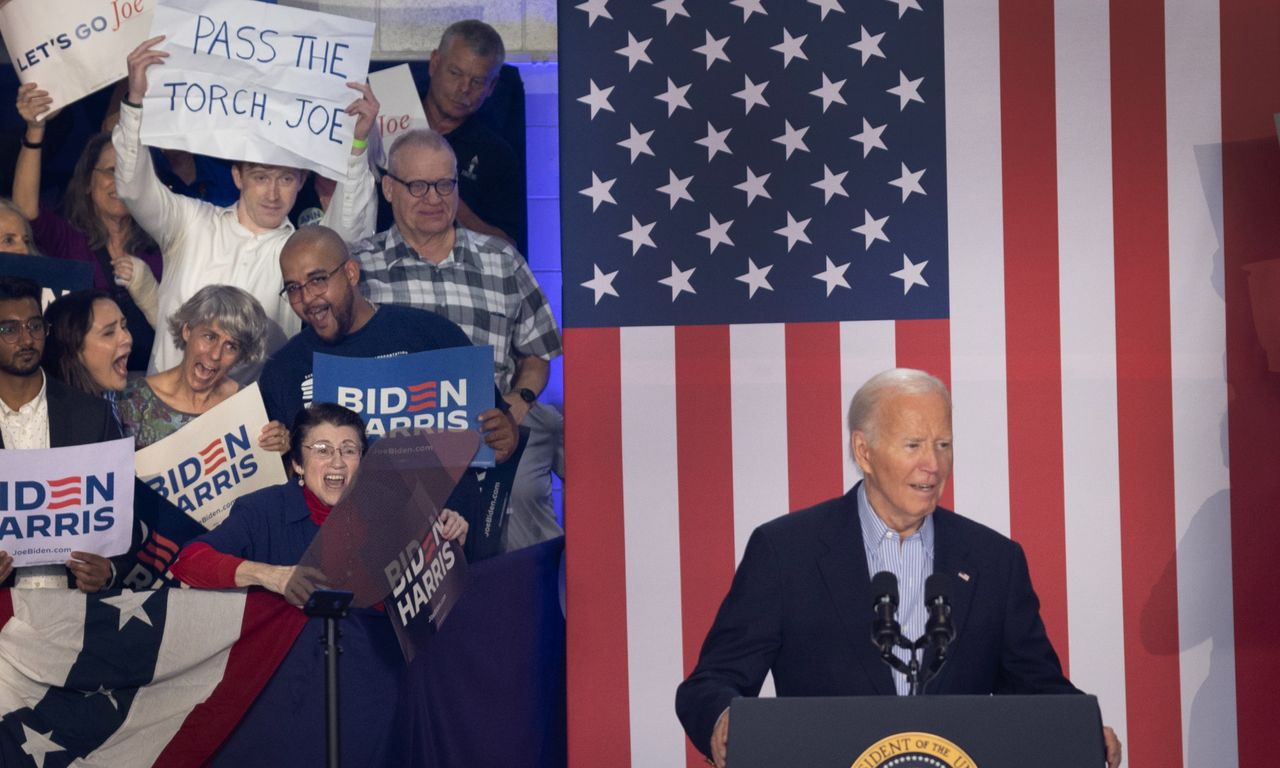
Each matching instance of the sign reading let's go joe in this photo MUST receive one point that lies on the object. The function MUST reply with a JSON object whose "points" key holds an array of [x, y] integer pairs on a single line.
{"points": [[255, 81], [58, 500], [71, 48]]}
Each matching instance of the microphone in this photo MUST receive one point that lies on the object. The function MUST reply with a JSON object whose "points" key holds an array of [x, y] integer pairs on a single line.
{"points": [[885, 630], [937, 598]]}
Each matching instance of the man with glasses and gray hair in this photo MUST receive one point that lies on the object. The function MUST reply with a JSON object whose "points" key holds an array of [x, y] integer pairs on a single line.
{"points": [[38, 411], [429, 260]]}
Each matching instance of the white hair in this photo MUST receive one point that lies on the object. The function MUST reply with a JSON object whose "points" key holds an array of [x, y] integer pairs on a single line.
{"points": [[864, 409]]}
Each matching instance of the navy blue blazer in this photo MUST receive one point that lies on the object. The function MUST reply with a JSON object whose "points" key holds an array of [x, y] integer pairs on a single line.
{"points": [[801, 606]]}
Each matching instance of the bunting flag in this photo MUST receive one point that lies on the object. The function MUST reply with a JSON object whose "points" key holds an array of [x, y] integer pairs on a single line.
{"points": [[1048, 205], [157, 677]]}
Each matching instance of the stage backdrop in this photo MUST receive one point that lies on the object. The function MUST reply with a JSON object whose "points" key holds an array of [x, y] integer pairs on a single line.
{"points": [[1049, 205]]}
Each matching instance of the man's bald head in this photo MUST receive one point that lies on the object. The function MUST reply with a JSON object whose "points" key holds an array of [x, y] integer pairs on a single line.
{"points": [[316, 239]]}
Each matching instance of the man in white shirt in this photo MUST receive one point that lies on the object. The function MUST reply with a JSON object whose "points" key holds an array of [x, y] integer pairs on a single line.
{"points": [[39, 412], [238, 245]]}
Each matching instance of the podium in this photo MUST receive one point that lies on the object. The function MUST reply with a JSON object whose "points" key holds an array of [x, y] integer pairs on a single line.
{"points": [[916, 732]]}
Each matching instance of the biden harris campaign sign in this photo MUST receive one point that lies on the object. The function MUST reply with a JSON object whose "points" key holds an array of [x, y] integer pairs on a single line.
{"points": [[256, 81], [443, 389], [57, 500], [71, 48], [213, 460]]}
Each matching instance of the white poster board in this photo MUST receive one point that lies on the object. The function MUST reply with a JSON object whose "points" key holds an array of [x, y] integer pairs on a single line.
{"points": [[255, 81], [400, 111], [214, 459], [59, 500], [71, 48]]}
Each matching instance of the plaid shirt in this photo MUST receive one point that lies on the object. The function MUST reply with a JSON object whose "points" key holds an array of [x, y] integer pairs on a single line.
{"points": [[483, 285]]}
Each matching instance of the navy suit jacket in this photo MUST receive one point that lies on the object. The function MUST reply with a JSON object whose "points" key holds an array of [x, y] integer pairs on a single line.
{"points": [[76, 418], [801, 606]]}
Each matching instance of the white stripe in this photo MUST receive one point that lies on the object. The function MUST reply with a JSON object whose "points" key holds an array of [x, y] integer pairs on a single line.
{"points": [[201, 627], [651, 515], [24, 676], [758, 399], [866, 348], [1086, 275], [1198, 331], [758, 372], [975, 224]]}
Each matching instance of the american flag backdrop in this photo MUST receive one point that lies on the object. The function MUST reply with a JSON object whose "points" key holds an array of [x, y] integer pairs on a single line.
{"points": [[1049, 205]]}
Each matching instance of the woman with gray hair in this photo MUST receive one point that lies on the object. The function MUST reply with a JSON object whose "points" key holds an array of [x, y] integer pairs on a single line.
{"points": [[219, 328], [15, 230]]}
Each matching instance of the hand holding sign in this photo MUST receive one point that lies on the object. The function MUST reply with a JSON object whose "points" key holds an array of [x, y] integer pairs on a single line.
{"points": [[92, 571], [139, 60], [500, 433], [33, 106], [365, 110]]}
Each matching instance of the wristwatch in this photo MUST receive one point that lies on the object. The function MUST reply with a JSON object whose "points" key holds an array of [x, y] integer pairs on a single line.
{"points": [[527, 395]]}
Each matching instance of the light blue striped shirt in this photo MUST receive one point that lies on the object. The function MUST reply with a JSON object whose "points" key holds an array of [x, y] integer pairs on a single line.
{"points": [[910, 559]]}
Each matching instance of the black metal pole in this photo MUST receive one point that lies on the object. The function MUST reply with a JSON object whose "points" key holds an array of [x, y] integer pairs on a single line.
{"points": [[333, 747]]}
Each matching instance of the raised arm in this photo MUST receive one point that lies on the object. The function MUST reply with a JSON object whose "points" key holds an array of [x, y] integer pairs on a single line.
{"points": [[33, 107], [353, 210], [154, 207]]}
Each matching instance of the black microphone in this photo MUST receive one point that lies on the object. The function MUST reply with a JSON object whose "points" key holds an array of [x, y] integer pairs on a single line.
{"points": [[885, 630], [937, 598]]}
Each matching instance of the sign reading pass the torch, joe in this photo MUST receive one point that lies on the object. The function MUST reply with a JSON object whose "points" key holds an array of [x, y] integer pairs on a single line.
{"points": [[257, 82]]}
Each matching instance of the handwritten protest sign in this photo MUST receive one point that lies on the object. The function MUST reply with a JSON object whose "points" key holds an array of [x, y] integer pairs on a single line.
{"points": [[71, 48], [58, 500], [213, 460], [255, 81], [401, 109], [444, 389]]}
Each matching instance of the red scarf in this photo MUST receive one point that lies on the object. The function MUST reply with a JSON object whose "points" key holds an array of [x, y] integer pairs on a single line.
{"points": [[319, 510]]}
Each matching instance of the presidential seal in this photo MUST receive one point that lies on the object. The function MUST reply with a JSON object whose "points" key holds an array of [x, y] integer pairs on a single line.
{"points": [[913, 750]]}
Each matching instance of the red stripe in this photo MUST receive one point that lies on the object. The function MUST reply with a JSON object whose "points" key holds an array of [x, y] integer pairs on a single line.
{"points": [[217, 443], [64, 480], [705, 488], [75, 502], [1251, 230], [595, 566], [926, 345], [267, 632], [1032, 339], [1144, 391], [815, 468]]}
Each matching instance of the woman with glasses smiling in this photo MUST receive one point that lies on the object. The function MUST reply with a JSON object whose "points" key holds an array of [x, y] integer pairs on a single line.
{"points": [[267, 532]]}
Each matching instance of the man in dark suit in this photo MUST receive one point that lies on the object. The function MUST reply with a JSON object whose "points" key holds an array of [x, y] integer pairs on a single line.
{"points": [[37, 411], [800, 605]]}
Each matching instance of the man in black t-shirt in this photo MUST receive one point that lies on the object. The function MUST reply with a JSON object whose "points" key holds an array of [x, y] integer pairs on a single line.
{"points": [[320, 280]]}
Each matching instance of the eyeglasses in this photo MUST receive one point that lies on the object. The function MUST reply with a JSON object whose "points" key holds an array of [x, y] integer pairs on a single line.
{"points": [[11, 331], [419, 187], [317, 284], [325, 450]]}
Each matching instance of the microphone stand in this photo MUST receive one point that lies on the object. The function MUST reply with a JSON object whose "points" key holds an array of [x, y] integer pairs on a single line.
{"points": [[331, 605], [916, 678]]}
